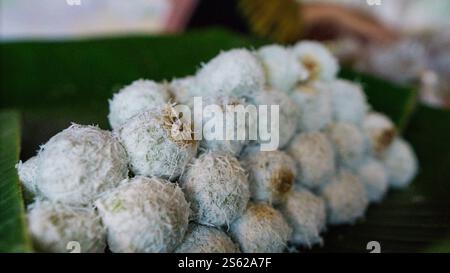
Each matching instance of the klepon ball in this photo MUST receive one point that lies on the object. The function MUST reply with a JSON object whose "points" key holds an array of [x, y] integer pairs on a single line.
{"points": [[350, 143], [305, 213], [380, 131], [288, 114], [349, 102], [144, 215], [54, 227], [138, 97], [27, 175], [401, 163], [229, 142], [261, 229], [313, 102], [345, 198], [374, 178], [271, 174], [217, 188], [184, 89], [283, 71], [314, 155], [236, 72], [317, 59], [158, 143], [79, 163], [203, 239]]}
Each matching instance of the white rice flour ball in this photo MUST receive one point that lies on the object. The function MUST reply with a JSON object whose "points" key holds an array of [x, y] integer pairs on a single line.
{"points": [[271, 175], [305, 213], [54, 227], [224, 113], [288, 114], [374, 178], [138, 97], [217, 187], [314, 105], [350, 143], [349, 102], [315, 159], [203, 239], [236, 72], [158, 143], [380, 131], [262, 229], [317, 59], [345, 198], [79, 163], [27, 175], [283, 70], [144, 215], [184, 89], [401, 163]]}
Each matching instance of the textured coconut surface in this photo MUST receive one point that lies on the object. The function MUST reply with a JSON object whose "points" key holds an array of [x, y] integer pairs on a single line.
{"points": [[80, 76]]}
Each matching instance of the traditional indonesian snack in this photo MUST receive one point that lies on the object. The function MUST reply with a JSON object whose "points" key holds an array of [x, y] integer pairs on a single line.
{"points": [[380, 131], [317, 59], [78, 164], [236, 73], [313, 101], [144, 215], [349, 102], [261, 229], [140, 96], [158, 143], [217, 188], [283, 71], [27, 175], [288, 113], [271, 174], [204, 239], [315, 159], [346, 199], [401, 163], [372, 174], [306, 214], [350, 143], [159, 183], [55, 227]]}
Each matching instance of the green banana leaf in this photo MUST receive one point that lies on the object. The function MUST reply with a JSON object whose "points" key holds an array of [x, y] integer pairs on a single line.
{"points": [[54, 83], [13, 235]]}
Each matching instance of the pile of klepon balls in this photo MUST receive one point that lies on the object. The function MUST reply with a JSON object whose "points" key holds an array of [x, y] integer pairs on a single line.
{"points": [[146, 187]]}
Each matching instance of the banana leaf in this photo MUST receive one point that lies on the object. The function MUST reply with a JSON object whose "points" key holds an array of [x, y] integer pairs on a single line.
{"points": [[54, 83]]}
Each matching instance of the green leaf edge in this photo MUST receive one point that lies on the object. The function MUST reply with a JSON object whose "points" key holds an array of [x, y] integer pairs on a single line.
{"points": [[10, 135]]}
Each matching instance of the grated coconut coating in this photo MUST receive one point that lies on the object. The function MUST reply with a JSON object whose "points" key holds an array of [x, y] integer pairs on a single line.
{"points": [[144, 215], [350, 143], [345, 198], [401, 163], [53, 226], [283, 71], [203, 239], [78, 164], [140, 96], [306, 214], [314, 155], [313, 102], [158, 143], [236, 72], [217, 187], [261, 229], [374, 178], [271, 175]]}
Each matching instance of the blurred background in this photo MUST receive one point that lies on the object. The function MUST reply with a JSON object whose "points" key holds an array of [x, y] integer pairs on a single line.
{"points": [[403, 41]]}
